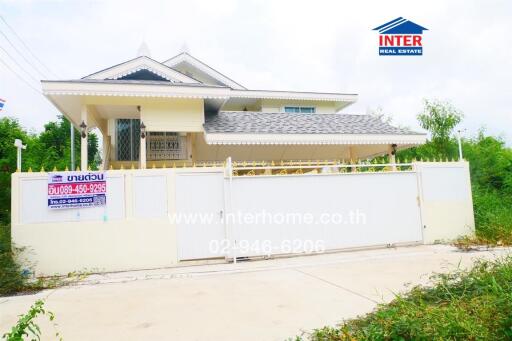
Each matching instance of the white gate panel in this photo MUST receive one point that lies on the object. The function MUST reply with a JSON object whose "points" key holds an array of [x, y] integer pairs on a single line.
{"points": [[334, 210], [199, 213]]}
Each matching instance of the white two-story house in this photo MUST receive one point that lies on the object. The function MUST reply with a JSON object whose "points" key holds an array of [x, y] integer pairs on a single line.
{"points": [[182, 111]]}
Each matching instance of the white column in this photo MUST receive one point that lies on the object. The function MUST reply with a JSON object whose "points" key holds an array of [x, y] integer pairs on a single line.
{"points": [[392, 158], [83, 140], [142, 156]]}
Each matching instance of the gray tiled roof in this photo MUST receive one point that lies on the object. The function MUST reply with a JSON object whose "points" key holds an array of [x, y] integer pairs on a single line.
{"points": [[246, 122]]}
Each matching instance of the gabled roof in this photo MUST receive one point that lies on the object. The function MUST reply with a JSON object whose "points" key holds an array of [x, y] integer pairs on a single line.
{"points": [[400, 26], [185, 57], [247, 122], [141, 63]]}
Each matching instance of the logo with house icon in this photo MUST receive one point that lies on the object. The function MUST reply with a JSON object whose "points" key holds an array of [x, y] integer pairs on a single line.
{"points": [[400, 37]]}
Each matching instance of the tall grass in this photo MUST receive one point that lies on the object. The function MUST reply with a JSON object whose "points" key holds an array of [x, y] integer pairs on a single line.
{"points": [[11, 278], [493, 216], [475, 304]]}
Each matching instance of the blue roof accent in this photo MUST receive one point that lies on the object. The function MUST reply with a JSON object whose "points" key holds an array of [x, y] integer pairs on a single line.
{"points": [[400, 26]]}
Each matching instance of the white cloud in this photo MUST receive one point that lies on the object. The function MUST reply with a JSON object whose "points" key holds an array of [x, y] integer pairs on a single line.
{"points": [[296, 45]]}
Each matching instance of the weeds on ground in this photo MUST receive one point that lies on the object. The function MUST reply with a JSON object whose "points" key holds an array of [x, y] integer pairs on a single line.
{"points": [[493, 220], [473, 304], [27, 326], [17, 280]]}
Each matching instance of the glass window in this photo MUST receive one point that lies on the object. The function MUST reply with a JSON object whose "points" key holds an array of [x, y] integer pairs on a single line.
{"points": [[304, 110], [127, 139]]}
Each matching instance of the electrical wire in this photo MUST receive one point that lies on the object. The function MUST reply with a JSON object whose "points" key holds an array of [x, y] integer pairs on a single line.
{"points": [[18, 64], [27, 48], [19, 76], [22, 56]]}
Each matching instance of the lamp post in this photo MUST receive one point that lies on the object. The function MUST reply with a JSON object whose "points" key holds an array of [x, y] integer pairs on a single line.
{"points": [[19, 146]]}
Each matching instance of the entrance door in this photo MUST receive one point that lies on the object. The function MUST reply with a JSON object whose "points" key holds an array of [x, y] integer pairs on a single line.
{"points": [[199, 211]]}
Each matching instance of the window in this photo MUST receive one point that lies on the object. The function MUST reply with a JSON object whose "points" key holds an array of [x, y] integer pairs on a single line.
{"points": [[303, 110], [127, 139], [166, 146]]}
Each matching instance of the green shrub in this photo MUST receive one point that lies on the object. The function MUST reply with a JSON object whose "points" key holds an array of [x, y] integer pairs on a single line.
{"points": [[493, 216], [463, 305], [11, 278]]}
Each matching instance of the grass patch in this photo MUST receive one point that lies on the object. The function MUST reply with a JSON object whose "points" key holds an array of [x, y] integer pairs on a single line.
{"points": [[473, 304], [493, 220]]}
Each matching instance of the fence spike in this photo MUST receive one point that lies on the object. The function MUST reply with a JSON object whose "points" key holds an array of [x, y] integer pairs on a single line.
{"points": [[111, 167], [30, 169], [89, 168], [66, 169]]}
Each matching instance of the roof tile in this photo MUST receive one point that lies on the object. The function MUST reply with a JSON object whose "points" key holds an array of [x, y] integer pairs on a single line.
{"points": [[248, 122]]}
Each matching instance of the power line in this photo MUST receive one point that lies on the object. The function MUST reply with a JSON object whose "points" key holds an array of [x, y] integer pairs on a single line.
{"points": [[18, 64], [19, 76], [22, 56], [26, 47]]}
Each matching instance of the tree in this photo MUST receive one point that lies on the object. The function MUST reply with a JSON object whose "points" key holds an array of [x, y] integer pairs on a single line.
{"points": [[51, 148], [440, 118], [54, 147], [10, 130]]}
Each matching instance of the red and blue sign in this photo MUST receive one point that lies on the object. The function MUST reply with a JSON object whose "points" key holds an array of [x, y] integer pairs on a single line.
{"points": [[400, 37], [76, 189]]}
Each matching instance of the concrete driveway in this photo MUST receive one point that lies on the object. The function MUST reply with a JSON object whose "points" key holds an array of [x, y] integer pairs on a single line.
{"points": [[258, 300]]}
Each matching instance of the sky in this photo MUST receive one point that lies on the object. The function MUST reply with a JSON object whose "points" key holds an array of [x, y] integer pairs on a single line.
{"points": [[323, 46]]}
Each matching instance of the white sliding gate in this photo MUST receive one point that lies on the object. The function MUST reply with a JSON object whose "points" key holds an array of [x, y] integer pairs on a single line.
{"points": [[266, 215], [304, 213]]}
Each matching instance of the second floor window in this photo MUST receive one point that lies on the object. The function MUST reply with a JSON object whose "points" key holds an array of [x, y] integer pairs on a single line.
{"points": [[303, 110]]}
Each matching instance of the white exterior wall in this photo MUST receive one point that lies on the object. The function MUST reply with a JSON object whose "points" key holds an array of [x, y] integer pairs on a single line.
{"points": [[446, 200], [134, 231]]}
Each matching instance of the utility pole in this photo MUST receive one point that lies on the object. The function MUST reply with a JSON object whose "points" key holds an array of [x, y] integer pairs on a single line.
{"points": [[459, 140], [72, 146]]}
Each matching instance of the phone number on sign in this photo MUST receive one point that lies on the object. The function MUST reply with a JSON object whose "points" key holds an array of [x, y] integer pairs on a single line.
{"points": [[85, 188], [266, 247]]}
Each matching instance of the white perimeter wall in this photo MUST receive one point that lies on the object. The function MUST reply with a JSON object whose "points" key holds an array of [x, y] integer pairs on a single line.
{"points": [[134, 230]]}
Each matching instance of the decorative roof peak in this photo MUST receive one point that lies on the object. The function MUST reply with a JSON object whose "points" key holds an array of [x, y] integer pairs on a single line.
{"points": [[185, 48], [143, 50]]}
